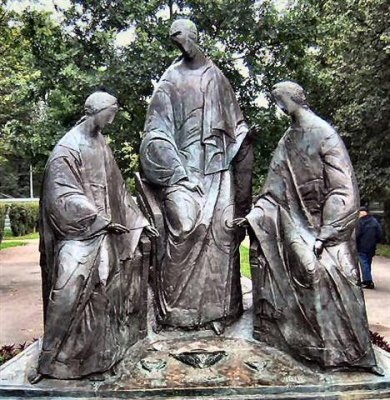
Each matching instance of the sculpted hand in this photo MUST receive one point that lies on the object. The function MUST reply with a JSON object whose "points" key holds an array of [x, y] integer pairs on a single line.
{"points": [[117, 228], [192, 186], [240, 222], [318, 248], [151, 231]]}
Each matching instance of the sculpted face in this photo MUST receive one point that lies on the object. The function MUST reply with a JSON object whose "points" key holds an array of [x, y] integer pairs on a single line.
{"points": [[289, 96], [106, 117], [183, 34]]}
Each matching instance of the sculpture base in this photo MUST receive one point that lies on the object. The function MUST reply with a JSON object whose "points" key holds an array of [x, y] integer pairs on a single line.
{"points": [[210, 367], [181, 365]]}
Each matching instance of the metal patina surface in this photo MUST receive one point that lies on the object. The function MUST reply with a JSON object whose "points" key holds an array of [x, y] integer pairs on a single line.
{"points": [[193, 153], [93, 277], [303, 254]]}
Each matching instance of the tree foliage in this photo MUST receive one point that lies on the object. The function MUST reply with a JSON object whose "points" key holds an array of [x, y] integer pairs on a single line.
{"points": [[337, 50], [351, 65]]}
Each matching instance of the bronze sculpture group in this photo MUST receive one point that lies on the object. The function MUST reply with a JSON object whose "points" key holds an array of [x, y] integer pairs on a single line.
{"points": [[194, 205]]}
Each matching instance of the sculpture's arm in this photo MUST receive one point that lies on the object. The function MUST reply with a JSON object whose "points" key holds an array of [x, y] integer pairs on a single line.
{"points": [[243, 167], [160, 161], [159, 155], [340, 209], [70, 212]]}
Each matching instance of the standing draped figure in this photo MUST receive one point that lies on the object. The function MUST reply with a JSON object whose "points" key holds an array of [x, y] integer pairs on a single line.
{"points": [[192, 152]]}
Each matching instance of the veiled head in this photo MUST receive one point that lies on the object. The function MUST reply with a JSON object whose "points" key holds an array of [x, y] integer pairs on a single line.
{"points": [[184, 34], [102, 107], [289, 96], [185, 27]]}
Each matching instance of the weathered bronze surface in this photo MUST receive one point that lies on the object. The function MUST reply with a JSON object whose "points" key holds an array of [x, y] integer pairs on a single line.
{"points": [[192, 154], [304, 262], [94, 282]]}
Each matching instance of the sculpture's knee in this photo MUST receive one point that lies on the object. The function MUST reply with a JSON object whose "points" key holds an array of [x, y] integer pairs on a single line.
{"points": [[182, 213]]}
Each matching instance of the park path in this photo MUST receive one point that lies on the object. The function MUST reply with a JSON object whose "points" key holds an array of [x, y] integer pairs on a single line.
{"points": [[21, 300], [20, 294]]}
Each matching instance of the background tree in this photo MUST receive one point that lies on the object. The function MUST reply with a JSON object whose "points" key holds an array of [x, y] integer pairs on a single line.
{"points": [[337, 50]]}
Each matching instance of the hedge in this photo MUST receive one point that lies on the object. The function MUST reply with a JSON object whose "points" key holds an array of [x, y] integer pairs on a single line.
{"points": [[24, 218], [3, 214]]}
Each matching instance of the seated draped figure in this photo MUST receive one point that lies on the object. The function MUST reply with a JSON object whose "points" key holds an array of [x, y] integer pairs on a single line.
{"points": [[90, 229], [303, 258], [193, 153]]}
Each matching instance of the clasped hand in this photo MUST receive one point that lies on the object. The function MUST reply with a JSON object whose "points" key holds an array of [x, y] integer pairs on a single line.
{"points": [[151, 231], [118, 229], [240, 222]]}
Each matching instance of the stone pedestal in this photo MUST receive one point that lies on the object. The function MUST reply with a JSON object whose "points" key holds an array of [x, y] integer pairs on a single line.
{"points": [[179, 365]]}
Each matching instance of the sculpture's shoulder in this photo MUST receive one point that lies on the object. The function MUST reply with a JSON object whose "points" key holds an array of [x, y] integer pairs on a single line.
{"points": [[68, 145], [170, 76], [324, 133], [214, 72], [166, 85]]}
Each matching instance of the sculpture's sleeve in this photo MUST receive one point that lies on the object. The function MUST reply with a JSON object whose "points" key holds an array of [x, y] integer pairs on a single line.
{"points": [[340, 208], [159, 155], [231, 112], [243, 167], [69, 210]]}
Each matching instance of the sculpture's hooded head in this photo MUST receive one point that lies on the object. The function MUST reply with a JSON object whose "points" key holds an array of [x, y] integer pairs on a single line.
{"points": [[289, 96], [102, 107], [184, 34]]}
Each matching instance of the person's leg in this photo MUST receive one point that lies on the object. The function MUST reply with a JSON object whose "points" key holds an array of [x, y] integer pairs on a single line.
{"points": [[369, 268], [366, 261]]}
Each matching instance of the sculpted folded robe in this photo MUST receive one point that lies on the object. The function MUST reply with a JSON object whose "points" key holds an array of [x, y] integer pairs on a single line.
{"points": [[312, 307], [91, 278], [194, 130]]}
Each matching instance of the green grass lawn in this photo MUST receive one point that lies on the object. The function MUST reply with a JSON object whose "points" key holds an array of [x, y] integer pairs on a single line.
{"points": [[10, 243], [383, 250], [8, 236], [245, 266]]}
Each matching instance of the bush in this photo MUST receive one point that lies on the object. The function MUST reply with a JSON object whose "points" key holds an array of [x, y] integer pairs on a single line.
{"points": [[3, 214], [9, 351], [24, 218]]}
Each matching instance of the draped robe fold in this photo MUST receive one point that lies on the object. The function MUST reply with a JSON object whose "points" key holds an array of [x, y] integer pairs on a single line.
{"points": [[194, 130], [312, 307], [91, 278]]}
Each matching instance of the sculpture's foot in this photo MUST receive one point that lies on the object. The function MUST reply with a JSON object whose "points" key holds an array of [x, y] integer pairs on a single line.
{"points": [[35, 378], [218, 327], [376, 370], [98, 377]]}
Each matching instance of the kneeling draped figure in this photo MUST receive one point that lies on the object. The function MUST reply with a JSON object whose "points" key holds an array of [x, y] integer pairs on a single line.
{"points": [[304, 262], [90, 229]]}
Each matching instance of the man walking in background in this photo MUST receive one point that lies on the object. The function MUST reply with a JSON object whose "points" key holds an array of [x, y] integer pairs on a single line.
{"points": [[369, 233]]}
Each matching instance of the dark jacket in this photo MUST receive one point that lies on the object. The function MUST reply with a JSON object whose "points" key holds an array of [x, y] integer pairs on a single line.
{"points": [[369, 233]]}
